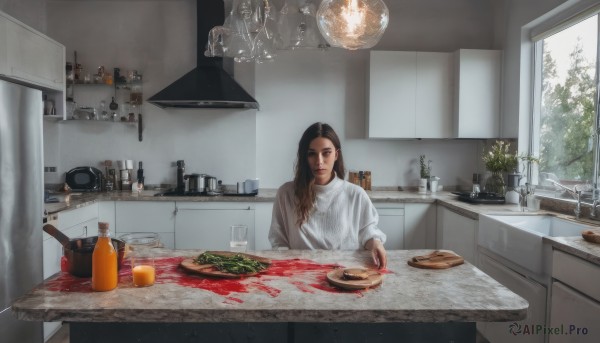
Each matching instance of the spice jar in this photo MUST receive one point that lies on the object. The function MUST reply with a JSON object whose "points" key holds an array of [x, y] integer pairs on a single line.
{"points": [[368, 180]]}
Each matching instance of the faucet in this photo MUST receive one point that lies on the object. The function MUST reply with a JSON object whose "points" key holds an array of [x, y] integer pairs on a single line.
{"points": [[523, 193], [575, 192], [595, 204]]}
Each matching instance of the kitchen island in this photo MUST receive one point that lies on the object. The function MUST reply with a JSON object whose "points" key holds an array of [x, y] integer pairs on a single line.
{"points": [[292, 301]]}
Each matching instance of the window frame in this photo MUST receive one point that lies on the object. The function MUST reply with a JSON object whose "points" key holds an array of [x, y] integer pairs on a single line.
{"points": [[533, 145]]}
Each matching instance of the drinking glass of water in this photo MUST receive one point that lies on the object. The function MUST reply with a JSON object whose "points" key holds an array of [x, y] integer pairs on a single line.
{"points": [[239, 238]]}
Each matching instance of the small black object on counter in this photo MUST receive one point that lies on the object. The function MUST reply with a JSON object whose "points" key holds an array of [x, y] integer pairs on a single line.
{"points": [[481, 197]]}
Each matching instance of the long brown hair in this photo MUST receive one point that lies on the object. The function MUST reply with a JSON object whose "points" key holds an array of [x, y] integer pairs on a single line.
{"points": [[304, 179]]}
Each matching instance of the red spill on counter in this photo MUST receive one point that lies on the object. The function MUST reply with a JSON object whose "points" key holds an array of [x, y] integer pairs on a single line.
{"points": [[305, 275]]}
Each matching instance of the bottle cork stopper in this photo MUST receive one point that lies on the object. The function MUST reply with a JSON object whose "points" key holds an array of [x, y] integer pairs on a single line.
{"points": [[103, 226]]}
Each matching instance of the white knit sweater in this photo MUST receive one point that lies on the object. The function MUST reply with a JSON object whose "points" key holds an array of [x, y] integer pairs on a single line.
{"points": [[343, 218]]}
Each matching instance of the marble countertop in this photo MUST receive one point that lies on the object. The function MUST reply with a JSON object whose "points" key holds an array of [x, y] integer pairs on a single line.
{"points": [[76, 200], [576, 246], [294, 289]]}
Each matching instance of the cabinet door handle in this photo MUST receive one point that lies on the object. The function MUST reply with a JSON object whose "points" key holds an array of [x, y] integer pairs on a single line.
{"points": [[176, 210]]}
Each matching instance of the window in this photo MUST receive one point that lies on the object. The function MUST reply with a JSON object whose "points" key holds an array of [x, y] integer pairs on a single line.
{"points": [[565, 106]]}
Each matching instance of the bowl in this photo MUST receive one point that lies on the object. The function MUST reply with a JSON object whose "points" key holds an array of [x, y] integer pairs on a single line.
{"points": [[79, 259], [141, 239]]}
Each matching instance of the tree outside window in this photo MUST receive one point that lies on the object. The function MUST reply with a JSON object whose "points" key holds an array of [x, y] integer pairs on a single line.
{"points": [[567, 115]]}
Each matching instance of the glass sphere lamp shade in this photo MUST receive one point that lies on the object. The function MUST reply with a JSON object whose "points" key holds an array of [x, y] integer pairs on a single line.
{"points": [[352, 24]]}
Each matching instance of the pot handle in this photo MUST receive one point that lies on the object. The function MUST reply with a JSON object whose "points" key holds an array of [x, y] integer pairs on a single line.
{"points": [[56, 233]]}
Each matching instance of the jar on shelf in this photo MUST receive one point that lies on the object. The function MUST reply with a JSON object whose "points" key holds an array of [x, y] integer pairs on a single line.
{"points": [[70, 72], [135, 96]]}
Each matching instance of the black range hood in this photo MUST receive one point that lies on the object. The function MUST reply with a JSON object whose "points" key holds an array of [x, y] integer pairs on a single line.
{"points": [[208, 85]]}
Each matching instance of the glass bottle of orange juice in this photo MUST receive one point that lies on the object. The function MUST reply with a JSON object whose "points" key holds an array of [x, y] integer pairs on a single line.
{"points": [[104, 261]]}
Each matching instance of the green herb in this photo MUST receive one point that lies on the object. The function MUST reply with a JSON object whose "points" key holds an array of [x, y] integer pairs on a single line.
{"points": [[499, 159], [425, 167], [235, 264]]}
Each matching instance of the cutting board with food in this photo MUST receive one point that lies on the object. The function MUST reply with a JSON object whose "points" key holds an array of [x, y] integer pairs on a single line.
{"points": [[436, 260], [225, 264], [354, 278], [592, 236]]}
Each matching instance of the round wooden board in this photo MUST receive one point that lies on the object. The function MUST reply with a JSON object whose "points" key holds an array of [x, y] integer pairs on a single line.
{"points": [[209, 270], [336, 278], [592, 236]]}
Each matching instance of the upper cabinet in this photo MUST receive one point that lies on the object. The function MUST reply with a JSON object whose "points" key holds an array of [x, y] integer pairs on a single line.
{"points": [[409, 94], [30, 57], [477, 93], [433, 94]]}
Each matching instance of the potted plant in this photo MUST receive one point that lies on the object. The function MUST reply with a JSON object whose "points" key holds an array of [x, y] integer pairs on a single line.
{"points": [[499, 161], [425, 174]]}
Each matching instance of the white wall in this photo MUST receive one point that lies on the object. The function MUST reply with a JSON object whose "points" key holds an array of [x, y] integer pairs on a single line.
{"points": [[158, 38], [30, 12]]}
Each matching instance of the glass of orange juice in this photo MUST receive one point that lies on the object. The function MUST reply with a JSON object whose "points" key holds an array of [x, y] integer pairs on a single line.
{"points": [[142, 270]]}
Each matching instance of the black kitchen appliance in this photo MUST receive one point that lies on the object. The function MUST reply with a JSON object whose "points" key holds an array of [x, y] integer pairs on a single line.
{"points": [[209, 85], [84, 179]]}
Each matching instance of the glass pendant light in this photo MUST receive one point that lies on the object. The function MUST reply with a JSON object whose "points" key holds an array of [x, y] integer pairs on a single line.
{"points": [[352, 24], [298, 26], [249, 33]]}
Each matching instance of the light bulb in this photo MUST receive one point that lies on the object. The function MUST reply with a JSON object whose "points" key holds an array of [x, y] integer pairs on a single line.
{"points": [[352, 24]]}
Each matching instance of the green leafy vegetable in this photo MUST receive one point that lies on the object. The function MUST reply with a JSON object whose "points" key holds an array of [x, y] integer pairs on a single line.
{"points": [[235, 264]]}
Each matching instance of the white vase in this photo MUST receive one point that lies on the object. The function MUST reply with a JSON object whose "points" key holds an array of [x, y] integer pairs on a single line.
{"points": [[511, 197], [423, 186]]}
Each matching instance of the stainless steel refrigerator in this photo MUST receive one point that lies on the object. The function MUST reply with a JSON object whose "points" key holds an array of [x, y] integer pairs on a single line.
{"points": [[21, 205]]}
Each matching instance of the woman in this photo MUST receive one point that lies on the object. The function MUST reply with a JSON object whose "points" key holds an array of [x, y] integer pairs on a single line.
{"points": [[319, 210]]}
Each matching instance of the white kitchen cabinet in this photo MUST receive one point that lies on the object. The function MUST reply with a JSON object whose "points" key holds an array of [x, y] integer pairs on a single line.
{"points": [[202, 225], [146, 216], [87, 214], [30, 57], [391, 222], [409, 94], [477, 77], [434, 96], [457, 233], [574, 312], [263, 211], [530, 290], [106, 213], [419, 226], [391, 87], [575, 298]]}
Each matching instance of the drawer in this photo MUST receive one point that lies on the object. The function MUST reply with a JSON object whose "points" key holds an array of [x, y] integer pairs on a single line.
{"points": [[390, 211], [70, 218], [577, 273]]}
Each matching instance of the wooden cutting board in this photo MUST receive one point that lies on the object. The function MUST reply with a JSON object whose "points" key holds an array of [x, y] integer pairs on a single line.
{"points": [[209, 269], [336, 278], [592, 236], [436, 260]]}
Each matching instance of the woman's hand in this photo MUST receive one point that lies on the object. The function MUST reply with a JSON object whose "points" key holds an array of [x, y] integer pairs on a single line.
{"points": [[377, 252]]}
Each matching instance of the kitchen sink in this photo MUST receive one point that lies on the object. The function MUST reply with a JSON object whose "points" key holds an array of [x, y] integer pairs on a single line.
{"points": [[519, 238]]}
